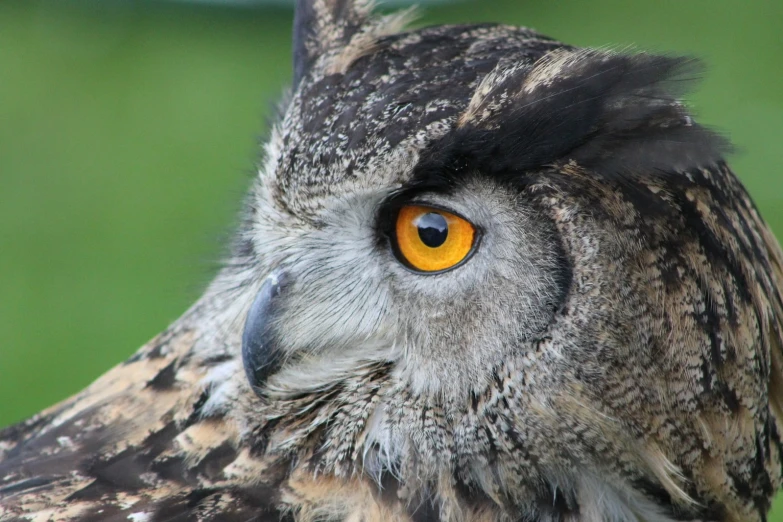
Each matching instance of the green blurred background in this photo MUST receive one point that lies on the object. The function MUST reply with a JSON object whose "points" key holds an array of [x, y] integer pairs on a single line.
{"points": [[129, 130]]}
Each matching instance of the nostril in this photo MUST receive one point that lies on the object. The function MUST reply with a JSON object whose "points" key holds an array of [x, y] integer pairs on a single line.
{"points": [[261, 354]]}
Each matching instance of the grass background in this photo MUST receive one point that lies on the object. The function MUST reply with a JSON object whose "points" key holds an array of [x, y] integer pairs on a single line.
{"points": [[128, 133]]}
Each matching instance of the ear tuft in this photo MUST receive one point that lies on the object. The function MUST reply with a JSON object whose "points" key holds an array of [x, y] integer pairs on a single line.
{"points": [[618, 113], [322, 25]]}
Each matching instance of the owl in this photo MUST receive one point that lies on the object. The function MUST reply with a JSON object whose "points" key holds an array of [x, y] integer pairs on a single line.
{"points": [[481, 276]]}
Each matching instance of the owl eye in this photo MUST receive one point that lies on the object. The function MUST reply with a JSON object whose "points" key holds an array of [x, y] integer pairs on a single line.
{"points": [[430, 239]]}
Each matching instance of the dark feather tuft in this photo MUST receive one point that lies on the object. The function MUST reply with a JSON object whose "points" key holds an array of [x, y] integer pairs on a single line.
{"points": [[619, 115]]}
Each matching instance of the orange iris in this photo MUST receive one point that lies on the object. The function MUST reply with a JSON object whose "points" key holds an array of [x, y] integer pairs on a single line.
{"points": [[431, 239]]}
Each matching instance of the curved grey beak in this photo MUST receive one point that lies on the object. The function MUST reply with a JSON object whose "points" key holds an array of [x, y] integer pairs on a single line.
{"points": [[260, 353]]}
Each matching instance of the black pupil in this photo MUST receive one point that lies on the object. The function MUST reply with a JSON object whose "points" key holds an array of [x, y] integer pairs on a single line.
{"points": [[433, 229]]}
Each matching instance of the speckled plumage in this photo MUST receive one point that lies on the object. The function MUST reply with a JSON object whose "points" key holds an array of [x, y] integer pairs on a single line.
{"points": [[612, 351]]}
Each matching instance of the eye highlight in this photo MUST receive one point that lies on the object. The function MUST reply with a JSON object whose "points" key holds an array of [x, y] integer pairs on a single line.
{"points": [[430, 239]]}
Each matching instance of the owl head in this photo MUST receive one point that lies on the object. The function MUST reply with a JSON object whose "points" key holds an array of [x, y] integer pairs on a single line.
{"points": [[481, 276], [410, 209], [513, 263]]}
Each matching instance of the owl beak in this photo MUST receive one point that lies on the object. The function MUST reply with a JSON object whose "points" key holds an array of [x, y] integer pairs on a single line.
{"points": [[261, 354]]}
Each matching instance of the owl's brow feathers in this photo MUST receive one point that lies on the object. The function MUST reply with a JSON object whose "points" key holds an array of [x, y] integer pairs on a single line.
{"points": [[663, 243], [616, 114]]}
